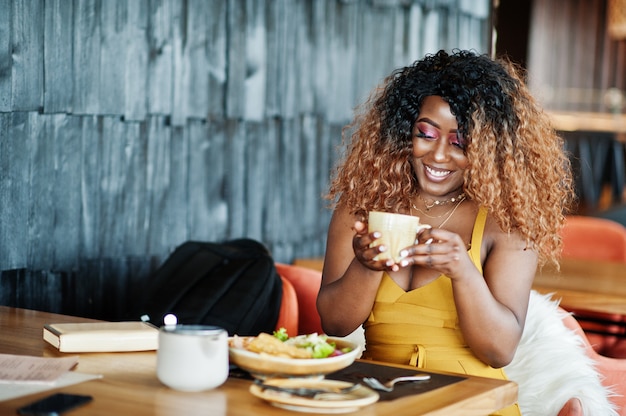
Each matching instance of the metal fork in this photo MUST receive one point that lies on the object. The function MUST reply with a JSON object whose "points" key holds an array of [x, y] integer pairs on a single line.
{"points": [[388, 386]]}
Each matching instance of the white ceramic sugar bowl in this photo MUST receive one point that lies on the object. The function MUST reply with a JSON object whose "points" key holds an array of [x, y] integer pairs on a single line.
{"points": [[192, 357]]}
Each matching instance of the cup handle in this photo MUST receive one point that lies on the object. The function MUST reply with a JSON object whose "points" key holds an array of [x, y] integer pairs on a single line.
{"points": [[419, 229]]}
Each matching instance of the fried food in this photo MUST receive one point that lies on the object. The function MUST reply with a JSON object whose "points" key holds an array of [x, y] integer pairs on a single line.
{"points": [[268, 344]]}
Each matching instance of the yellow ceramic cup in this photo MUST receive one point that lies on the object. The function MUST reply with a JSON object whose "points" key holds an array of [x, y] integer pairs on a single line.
{"points": [[398, 231]]}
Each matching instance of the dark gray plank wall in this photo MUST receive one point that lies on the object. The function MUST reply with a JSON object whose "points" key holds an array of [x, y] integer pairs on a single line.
{"points": [[129, 127]]}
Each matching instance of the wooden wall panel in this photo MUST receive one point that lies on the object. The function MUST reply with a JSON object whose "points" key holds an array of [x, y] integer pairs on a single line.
{"points": [[342, 60], [256, 156], [114, 52], [58, 35], [117, 164], [234, 176], [289, 180], [65, 131], [318, 35], [160, 50], [159, 181], [274, 214], [86, 57], [237, 27], [5, 55], [41, 180], [207, 180], [254, 94], [280, 36], [308, 190], [179, 64], [15, 203], [136, 68], [387, 43], [196, 61], [91, 139], [27, 54], [134, 213], [177, 225]]}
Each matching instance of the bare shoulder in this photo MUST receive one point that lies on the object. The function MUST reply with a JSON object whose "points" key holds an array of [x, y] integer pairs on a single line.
{"points": [[508, 247], [342, 221], [495, 237], [509, 264]]}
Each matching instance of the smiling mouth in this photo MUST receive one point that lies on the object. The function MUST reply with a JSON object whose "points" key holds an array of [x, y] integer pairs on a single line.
{"points": [[438, 173]]}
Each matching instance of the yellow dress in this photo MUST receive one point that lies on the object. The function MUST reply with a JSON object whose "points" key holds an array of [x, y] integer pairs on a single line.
{"points": [[420, 327]]}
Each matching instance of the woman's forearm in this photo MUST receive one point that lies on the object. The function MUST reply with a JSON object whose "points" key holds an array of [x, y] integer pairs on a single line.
{"points": [[490, 328], [345, 303]]}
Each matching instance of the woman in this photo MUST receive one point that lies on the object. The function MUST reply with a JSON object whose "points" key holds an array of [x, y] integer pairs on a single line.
{"points": [[458, 140]]}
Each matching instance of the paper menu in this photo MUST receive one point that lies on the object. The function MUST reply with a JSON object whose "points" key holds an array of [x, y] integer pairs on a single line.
{"points": [[28, 369]]}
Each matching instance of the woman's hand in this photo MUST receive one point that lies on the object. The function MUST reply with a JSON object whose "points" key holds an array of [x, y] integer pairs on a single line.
{"points": [[440, 250], [366, 254]]}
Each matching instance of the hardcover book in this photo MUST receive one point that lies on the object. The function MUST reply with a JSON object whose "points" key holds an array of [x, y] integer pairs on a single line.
{"points": [[102, 336]]}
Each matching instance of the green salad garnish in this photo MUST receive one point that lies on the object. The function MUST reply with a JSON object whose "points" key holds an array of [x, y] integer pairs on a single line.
{"points": [[317, 344]]}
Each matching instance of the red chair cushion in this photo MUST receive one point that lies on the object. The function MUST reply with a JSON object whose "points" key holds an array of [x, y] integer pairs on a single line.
{"points": [[288, 314], [307, 285], [592, 238]]}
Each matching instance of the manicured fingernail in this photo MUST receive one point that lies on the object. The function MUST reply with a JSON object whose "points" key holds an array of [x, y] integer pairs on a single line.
{"points": [[382, 248], [404, 253], [404, 263], [376, 234]]}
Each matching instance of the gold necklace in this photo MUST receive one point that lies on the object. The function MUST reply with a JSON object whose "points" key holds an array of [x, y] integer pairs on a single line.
{"points": [[452, 213], [432, 216], [437, 203], [449, 213]]}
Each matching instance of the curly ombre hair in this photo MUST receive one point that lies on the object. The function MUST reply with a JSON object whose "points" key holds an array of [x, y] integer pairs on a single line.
{"points": [[518, 168]]}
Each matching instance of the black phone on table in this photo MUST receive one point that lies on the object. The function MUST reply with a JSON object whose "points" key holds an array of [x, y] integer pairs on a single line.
{"points": [[54, 405]]}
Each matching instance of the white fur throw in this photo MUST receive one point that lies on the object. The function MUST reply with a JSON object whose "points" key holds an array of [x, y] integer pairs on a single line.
{"points": [[551, 365]]}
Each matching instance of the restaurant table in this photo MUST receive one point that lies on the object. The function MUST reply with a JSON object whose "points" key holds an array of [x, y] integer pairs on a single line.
{"points": [[597, 286], [129, 385]]}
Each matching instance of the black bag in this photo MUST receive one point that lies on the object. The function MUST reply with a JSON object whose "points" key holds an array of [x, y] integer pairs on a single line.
{"points": [[233, 285]]}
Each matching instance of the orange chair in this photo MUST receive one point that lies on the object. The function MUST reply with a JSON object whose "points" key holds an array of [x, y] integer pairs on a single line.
{"points": [[306, 283], [612, 369], [288, 314], [591, 238]]}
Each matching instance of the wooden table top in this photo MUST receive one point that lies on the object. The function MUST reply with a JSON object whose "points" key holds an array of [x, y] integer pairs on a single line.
{"points": [[589, 285], [130, 387]]}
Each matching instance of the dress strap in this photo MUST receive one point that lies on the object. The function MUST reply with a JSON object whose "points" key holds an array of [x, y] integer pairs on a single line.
{"points": [[477, 237]]}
